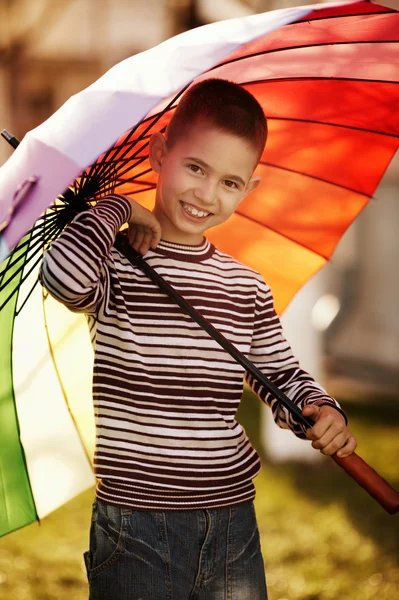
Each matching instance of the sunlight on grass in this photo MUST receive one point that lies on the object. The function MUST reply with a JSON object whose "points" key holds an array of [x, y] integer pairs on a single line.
{"points": [[323, 537]]}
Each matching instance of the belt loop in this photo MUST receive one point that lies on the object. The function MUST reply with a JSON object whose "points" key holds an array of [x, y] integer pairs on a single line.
{"points": [[126, 512]]}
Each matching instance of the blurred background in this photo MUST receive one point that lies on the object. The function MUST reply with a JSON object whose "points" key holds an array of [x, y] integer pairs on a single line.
{"points": [[323, 538]]}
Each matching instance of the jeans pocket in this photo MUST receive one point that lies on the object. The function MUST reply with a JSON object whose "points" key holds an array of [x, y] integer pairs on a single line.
{"points": [[106, 538], [87, 557]]}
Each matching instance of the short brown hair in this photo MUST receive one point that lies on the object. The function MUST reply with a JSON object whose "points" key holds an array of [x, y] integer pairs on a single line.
{"points": [[224, 104]]}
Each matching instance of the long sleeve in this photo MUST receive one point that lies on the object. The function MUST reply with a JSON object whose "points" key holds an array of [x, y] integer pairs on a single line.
{"points": [[74, 268], [272, 354]]}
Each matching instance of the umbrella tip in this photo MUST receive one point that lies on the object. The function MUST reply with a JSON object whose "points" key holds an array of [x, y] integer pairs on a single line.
{"points": [[12, 140]]}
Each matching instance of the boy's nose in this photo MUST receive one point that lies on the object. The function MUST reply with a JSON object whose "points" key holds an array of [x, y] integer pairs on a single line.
{"points": [[206, 193]]}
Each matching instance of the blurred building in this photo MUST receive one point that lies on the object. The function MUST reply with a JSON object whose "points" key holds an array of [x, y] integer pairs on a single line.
{"points": [[51, 49]]}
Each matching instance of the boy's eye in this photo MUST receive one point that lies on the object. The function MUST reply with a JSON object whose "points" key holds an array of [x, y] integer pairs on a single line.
{"points": [[195, 168], [231, 184]]}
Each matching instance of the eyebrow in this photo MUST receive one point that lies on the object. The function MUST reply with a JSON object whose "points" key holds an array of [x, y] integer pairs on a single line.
{"points": [[206, 166]]}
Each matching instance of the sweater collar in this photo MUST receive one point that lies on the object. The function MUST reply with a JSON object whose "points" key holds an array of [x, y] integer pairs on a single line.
{"points": [[185, 253]]}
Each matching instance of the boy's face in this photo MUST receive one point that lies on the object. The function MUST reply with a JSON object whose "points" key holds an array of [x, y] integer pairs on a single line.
{"points": [[202, 179]]}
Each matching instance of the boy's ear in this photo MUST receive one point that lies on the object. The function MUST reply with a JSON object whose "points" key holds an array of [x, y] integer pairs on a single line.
{"points": [[157, 150], [252, 184]]}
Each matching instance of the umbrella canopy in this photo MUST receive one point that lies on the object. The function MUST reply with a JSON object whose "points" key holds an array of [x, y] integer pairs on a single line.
{"points": [[326, 83]]}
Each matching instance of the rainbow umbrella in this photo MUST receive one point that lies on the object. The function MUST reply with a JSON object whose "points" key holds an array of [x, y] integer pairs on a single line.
{"points": [[326, 77]]}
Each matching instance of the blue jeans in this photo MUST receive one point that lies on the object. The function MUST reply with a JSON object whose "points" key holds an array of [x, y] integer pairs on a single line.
{"points": [[210, 554]]}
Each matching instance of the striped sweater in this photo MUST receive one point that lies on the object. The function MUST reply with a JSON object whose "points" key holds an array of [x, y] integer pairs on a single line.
{"points": [[165, 394]]}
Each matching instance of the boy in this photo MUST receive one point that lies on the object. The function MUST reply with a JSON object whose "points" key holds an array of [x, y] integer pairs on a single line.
{"points": [[173, 516]]}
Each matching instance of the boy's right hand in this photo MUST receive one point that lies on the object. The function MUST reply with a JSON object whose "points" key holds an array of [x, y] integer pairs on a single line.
{"points": [[144, 229]]}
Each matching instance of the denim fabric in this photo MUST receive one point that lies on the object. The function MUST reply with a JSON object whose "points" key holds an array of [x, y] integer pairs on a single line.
{"points": [[211, 554]]}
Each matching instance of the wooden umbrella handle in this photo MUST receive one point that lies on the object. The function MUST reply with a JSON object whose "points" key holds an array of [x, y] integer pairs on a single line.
{"points": [[371, 481]]}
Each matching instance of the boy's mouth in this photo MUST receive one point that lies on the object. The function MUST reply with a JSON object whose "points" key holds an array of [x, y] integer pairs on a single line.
{"points": [[192, 211]]}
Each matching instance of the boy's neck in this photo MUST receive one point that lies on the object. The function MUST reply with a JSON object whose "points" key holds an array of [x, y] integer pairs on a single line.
{"points": [[182, 239], [172, 234]]}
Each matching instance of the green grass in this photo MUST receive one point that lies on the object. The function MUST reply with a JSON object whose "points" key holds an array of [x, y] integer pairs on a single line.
{"points": [[323, 537]]}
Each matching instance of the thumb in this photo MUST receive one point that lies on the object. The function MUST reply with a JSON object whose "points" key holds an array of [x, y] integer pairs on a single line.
{"points": [[312, 411]]}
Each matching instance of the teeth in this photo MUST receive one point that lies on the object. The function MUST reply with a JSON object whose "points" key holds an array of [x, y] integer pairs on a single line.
{"points": [[193, 211]]}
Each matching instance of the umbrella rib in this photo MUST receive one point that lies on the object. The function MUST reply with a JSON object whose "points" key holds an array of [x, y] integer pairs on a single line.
{"points": [[128, 167], [53, 208], [4, 268], [135, 192], [21, 282], [122, 173], [146, 119], [142, 182], [45, 218], [35, 235], [50, 217], [343, 187], [137, 161], [126, 161], [61, 198], [26, 299], [298, 47], [103, 177], [43, 241], [16, 249], [290, 79], [326, 18], [351, 127]]}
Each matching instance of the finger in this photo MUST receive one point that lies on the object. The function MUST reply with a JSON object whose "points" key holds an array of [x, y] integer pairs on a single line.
{"points": [[335, 444], [321, 427], [157, 233], [155, 228], [325, 438], [131, 234], [311, 412], [348, 448], [145, 244], [139, 238]]}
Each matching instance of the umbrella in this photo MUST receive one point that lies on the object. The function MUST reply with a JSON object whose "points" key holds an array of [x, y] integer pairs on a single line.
{"points": [[293, 171]]}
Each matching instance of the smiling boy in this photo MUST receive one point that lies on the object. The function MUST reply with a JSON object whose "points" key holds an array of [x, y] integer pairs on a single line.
{"points": [[174, 515], [196, 193]]}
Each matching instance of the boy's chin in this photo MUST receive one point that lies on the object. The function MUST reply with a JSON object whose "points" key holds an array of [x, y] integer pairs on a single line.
{"points": [[190, 234], [188, 226]]}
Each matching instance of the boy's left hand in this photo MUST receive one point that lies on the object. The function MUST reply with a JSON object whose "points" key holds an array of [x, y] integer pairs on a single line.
{"points": [[330, 434]]}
